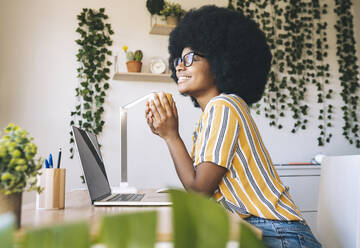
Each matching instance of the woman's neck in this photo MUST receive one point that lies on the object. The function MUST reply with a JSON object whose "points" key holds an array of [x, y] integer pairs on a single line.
{"points": [[205, 98]]}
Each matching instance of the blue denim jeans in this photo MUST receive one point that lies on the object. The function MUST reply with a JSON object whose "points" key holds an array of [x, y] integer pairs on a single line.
{"points": [[285, 234]]}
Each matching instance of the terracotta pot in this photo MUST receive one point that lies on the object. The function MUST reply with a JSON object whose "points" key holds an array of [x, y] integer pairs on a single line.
{"points": [[133, 66], [172, 20], [11, 203]]}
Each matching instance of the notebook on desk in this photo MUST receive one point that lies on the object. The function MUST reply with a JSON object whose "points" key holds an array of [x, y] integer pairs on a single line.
{"points": [[97, 181]]}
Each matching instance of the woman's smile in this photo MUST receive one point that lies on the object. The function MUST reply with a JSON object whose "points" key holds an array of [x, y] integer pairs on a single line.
{"points": [[182, 78]]}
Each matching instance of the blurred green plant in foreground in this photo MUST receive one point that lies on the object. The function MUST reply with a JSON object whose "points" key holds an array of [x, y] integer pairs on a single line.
{"points": [[18, 167]]}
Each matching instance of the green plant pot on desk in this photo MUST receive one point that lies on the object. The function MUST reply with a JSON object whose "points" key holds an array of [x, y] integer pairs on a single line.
{"points": [[18, 169]]}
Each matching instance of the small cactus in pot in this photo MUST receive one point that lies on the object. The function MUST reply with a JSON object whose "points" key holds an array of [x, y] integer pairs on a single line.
{"points": [[133, 63], [130, 56], [138, 55]]}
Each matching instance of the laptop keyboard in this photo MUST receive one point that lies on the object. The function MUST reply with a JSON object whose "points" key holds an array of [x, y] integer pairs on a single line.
{"points": [[126, 197]]}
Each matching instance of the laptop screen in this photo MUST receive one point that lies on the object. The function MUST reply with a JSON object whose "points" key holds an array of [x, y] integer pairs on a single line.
{"points": [[92, 164]]}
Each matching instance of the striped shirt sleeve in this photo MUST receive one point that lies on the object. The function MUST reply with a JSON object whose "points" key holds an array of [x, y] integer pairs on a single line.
{"points": [[217, 139]]}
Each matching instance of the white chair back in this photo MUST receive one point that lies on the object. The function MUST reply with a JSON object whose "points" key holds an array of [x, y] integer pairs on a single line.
{"points": [[338, 221]]}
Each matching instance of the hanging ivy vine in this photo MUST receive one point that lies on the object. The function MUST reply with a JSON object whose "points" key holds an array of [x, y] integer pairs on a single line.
{"points": [[274, 97], [348, 70], [295, 26], [321, 72], [296, 34], [92, 72]]}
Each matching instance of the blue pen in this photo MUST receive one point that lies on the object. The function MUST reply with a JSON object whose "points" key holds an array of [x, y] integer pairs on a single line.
{"points": [[51, 161], [59, 159], [46, 163]]}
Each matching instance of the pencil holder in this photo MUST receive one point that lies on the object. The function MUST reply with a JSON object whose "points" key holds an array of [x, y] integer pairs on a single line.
{"points": [[53, 195]]}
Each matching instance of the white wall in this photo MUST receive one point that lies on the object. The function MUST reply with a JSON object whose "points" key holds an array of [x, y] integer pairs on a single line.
{"points": [[38, 77]]}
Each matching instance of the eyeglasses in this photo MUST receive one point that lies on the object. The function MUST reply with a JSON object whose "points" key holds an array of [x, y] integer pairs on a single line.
{"points": [[187, 59]]}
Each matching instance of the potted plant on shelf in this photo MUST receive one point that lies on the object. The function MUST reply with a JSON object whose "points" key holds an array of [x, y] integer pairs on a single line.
{"points": [[18, 169], [172, 12], [133, 63], [155, 6]]}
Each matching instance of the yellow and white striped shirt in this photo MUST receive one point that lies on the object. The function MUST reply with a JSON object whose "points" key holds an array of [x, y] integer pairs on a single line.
{"points": [[227, 135]]}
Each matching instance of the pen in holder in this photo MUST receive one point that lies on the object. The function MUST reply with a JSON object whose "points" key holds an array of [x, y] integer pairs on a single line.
{"points": [[53, 183]]}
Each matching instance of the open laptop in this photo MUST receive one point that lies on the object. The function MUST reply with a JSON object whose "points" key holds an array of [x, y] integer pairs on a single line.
{"points": [[97, 181]]}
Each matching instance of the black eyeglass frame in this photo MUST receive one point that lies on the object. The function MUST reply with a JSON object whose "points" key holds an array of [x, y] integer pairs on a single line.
{"points": [[180, 60]]}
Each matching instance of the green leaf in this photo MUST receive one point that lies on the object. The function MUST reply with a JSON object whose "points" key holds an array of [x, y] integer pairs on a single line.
{"points": [[248, 238], [198, 221], [129, 230], [60, 236], [86, 125], [86, 106]]}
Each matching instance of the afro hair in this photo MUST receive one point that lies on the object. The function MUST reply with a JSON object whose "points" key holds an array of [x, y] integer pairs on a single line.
{"points": [[234, 46]]}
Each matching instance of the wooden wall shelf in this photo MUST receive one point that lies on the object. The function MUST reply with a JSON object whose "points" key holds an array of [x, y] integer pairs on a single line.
{"points": [[142, 76], [162, 29]]}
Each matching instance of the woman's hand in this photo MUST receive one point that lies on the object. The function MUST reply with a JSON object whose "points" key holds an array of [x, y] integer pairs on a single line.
{"points": [[162, 121], [150, 119]]}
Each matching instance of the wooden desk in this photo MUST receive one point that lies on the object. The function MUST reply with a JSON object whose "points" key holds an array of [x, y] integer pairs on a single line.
{"points": [[78, 208]]}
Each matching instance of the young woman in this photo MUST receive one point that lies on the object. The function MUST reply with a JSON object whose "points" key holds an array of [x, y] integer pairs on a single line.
{"points": [[220, 59]]}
